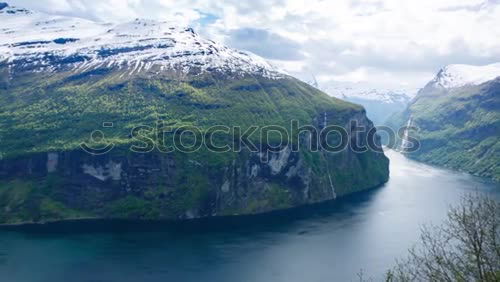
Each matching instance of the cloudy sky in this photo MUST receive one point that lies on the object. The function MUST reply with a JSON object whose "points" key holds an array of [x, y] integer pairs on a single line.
{"points": [[381, 43]]}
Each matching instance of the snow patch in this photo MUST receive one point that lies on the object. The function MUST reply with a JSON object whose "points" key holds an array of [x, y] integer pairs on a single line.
{"points": [[454, 76]]}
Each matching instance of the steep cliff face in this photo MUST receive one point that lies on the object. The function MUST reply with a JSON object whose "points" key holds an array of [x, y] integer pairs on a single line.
{"points": [[59, 87], [58, 186], [46, 176]]}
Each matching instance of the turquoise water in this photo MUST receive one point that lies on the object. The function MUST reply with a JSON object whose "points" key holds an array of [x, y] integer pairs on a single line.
{"points": [[327, 242]]}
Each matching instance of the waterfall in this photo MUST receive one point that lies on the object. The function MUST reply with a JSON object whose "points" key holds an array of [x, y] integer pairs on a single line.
{"points": [[334, 195], [405, 144]]}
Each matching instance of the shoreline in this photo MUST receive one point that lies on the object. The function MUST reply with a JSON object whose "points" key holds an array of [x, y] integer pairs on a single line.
{"points": [[166, 221]]}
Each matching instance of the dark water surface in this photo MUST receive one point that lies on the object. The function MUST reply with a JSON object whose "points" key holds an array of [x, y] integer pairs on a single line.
{"points": [[327, 242]]}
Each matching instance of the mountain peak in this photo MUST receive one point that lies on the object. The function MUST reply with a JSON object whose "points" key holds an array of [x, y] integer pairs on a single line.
{"points": [[42, 42], [458, 75]]}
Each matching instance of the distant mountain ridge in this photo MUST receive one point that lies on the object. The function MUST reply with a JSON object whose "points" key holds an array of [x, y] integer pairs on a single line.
{"points": [[384, 95], [379, 102]]}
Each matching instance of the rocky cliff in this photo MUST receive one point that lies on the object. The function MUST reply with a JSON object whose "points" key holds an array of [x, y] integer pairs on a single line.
{"points": [[74, 77]]}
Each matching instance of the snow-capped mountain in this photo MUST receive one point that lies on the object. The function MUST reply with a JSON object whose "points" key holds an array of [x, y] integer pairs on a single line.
{"points": [[63, 78], [454, 76], [364, 91], [37, 41], [379, 102], [359, 91]]}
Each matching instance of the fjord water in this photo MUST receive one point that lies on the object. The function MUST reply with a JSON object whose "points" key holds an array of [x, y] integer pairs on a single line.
{"points": [[327, 242]]}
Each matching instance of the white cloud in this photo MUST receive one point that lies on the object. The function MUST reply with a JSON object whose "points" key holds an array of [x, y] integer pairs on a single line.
{"points": [[376, 41]]}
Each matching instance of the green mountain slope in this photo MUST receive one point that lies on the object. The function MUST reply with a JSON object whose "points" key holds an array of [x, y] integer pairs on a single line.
{"points": [[46, 176], [458, 128]]}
